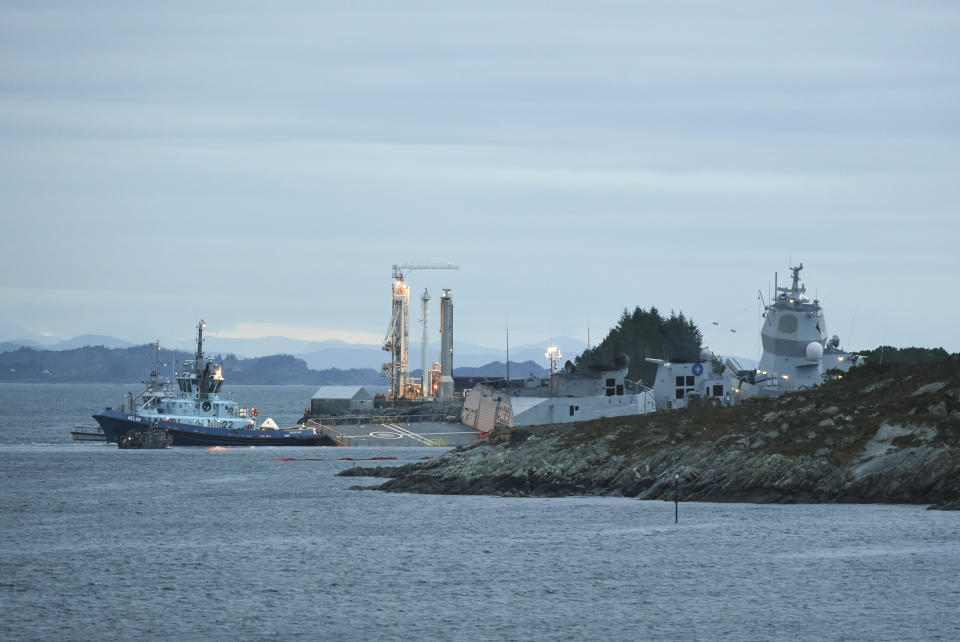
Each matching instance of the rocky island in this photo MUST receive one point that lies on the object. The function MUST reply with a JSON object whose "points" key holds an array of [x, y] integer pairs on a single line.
{"points": [[883, 433]]}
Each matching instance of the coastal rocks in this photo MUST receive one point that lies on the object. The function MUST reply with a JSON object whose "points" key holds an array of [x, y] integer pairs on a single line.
{"points": [[835, 444], [878, 385], [930, 388], [880, 471]]}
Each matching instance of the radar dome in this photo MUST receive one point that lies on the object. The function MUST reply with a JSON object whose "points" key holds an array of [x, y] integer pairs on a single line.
{"points": [[621, 361], [814, 350]]}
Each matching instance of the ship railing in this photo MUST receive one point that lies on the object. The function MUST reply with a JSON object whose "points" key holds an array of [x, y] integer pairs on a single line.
{"points": [[637, 386], [330, 431], [348, 420]]}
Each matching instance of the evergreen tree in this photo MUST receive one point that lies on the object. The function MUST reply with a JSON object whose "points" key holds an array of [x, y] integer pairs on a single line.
{"points": [[646, 333]]}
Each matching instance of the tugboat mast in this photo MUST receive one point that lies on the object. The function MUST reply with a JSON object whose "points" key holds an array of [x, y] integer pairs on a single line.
{"points": [[198, 360]]}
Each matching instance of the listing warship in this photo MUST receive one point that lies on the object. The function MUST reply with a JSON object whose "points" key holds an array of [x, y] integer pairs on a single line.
{"points": [[570, 394], [797, 353], [196, 413]]}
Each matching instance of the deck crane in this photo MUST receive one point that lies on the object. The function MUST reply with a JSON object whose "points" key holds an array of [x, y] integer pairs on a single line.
{"points": [[397, 339]]}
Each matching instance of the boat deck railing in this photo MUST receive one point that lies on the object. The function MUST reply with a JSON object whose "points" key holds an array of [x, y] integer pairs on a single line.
{"points": [[330, 431], [349, 420]]}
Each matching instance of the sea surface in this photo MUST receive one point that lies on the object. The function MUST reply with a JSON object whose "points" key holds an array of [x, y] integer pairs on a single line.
{"points": [[197, 543]]}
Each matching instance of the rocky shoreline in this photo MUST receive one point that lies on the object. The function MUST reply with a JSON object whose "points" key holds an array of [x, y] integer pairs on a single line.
{"points": [[886, 434]]}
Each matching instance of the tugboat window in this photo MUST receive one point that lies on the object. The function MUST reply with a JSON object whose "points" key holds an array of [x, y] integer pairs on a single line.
{"points": [[679, 382], [691, 381]]}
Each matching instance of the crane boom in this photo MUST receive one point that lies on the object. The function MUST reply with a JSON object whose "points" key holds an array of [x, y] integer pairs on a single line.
{"points": [[401, 270]]}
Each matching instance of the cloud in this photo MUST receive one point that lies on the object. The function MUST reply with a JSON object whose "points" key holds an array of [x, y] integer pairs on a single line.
{"points": [[247, 164]]}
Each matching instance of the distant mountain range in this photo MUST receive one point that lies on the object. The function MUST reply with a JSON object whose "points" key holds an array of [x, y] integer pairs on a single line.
{"points": [[498, 369], [77, 342], [99, 364], [319, 355]]}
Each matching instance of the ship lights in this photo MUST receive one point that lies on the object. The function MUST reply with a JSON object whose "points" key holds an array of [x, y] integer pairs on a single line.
{"points": [[553, 355]]}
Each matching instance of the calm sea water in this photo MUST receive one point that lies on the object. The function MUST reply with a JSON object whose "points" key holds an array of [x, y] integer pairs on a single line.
{"points": [[192, 543]]}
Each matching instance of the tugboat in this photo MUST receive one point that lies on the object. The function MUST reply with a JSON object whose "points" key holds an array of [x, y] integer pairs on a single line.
{"points": [[194, 413]]}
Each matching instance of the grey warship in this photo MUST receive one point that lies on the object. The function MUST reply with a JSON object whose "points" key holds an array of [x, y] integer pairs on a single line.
{"points": [[797, 353]]}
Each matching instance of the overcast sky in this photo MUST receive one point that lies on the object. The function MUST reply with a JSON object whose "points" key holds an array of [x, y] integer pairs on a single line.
{"points": [[262, 165]]}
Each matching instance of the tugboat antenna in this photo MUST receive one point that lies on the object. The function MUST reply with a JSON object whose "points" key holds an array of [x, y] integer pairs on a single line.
{"points": [[199, 359]]}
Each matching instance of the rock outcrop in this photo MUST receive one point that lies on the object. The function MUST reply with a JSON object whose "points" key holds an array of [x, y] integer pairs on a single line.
{"points": [[882, 434]]}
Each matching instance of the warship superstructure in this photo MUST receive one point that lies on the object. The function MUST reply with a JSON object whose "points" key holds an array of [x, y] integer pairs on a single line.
{"points": [[570, 394], [797, 353]]}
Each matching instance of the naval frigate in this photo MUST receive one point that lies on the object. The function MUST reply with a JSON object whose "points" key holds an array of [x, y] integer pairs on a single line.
{"points": [[797, 353]]}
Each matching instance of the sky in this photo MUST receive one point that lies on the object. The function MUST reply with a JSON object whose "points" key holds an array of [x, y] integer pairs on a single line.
{"points": [[263, 165]]}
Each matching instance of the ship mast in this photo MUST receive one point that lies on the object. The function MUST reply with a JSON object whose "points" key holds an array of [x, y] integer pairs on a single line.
{"points": [[198, 360], [201, 369]]}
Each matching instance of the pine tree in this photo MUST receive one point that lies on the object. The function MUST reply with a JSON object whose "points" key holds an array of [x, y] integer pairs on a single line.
{"points": [[646, 333]]}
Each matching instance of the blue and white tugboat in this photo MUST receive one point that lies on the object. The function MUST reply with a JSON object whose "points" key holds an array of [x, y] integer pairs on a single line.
{"points": [[195, 414]]}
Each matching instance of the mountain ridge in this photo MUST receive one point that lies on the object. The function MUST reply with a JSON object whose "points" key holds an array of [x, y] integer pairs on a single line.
{"points": [[321, 355], [100, 364]]}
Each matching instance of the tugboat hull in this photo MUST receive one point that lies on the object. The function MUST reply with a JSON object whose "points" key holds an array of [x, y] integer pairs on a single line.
{"points": [[116, 425], [146, 438]]}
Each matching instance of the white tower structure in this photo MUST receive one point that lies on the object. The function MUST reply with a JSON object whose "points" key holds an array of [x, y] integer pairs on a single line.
{"points": [[554, 357], [445, 390], [397, 340], [425, 360], [398, 336]]}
